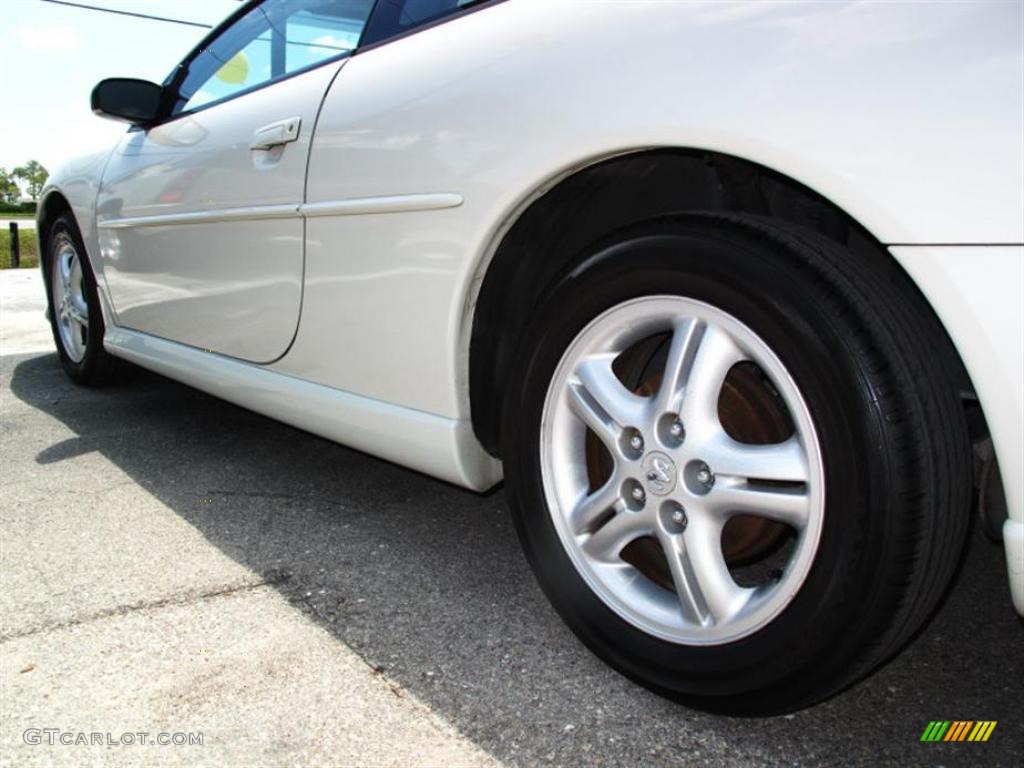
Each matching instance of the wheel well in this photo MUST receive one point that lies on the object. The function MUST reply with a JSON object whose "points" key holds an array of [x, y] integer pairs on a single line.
{"points": [[556, 229], [52, 206]]}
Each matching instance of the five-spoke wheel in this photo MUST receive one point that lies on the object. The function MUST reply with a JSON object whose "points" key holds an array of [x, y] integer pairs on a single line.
{"points": [[70, 306], [675, 475]]}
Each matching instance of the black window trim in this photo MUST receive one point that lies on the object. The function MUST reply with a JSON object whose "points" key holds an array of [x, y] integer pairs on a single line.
{"points": [[173, 81]]}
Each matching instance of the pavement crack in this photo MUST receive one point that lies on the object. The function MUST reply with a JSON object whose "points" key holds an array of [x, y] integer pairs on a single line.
{"points": [[272, 578]]}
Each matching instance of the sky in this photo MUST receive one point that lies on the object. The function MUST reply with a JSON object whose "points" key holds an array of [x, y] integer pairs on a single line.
{"points": [[54, 55]]}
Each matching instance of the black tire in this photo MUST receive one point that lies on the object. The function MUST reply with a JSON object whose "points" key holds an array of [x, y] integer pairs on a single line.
{"points": [[872, 363], [96, 368]]}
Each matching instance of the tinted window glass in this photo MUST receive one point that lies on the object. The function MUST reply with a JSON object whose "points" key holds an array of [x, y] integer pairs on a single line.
{"points": [[271, 41], [393, 17]]}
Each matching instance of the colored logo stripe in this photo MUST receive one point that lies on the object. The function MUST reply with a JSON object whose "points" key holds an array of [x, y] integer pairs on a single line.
{"points": [[982, 730], [958, 730]]}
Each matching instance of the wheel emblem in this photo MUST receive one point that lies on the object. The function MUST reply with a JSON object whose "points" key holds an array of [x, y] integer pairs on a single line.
{"points": [[659, 473]]}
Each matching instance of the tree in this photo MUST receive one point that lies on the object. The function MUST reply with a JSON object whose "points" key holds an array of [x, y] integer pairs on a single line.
{"points": [[34, 176], [9, 190]]}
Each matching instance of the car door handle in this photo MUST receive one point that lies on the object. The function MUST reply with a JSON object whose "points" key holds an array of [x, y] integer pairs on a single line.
{"points": [[275, 134]]}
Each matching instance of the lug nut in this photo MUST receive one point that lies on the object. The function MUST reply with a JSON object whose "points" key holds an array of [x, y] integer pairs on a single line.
{"points": [[638, 493], [636, 443], [704, 476], [679, 517], [676, 430]]}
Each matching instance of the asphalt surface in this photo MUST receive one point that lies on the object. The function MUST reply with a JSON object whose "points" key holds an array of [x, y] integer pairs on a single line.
{"points": [[169, 562]]}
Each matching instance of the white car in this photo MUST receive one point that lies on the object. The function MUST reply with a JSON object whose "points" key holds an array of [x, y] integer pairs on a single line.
{"points": [[729, 294]]}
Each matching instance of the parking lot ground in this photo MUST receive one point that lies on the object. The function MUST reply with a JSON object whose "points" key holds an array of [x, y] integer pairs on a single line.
{"points": [[22, 304], [172, 563]]}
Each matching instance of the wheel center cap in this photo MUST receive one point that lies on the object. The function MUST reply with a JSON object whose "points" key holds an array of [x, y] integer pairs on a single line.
{"points": [[659, 473]]}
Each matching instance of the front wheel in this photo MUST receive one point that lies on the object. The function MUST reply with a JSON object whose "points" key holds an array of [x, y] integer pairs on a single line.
{"points": [[74, 308], [737, 464]]}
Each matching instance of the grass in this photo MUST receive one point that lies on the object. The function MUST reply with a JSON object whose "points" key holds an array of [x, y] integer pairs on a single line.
{"points": [[17, 215], [29, 248]]}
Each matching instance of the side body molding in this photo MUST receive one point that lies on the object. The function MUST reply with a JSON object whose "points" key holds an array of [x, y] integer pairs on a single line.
{"points": [[438, 446]]}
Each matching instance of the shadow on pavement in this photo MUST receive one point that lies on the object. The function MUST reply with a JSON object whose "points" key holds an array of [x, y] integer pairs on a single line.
{"points": [[427, 581]]}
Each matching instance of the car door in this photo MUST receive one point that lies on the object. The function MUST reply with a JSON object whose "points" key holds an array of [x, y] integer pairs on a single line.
{"points": [[201, 238]]}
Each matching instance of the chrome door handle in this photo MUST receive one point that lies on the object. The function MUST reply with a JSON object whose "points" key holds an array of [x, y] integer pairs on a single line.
{"points": [[275, 134]]}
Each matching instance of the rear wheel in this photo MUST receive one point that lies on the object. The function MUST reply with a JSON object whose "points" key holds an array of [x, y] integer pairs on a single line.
{"points": [[74, 304], [739, 468]]}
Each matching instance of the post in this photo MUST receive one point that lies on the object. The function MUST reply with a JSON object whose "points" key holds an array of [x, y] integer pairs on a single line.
{"points": [[15, 246]]}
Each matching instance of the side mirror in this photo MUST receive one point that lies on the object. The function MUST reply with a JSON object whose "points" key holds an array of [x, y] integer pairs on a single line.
{"points": [[122, 98]]}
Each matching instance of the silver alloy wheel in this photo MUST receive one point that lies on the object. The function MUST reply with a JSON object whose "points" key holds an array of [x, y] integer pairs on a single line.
{"points": [[677, 476], [69, 303]]}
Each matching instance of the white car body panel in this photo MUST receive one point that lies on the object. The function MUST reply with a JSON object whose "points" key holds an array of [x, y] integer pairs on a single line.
{"points": [[199, 235], [78, 181], [427, 147], [511, 73]]}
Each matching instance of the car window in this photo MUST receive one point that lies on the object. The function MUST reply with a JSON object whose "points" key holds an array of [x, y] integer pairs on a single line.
{"points": [[395, 17], [273, 40]]}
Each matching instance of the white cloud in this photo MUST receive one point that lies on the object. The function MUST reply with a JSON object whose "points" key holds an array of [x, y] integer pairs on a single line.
{"points": [[52, 38]]}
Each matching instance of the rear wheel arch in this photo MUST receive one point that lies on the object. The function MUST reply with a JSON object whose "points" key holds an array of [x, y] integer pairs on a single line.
{"points": [[554, 231]]}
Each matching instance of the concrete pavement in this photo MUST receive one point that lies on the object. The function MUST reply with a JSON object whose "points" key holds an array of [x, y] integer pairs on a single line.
{"points": [[23, 327], [171, 563]]}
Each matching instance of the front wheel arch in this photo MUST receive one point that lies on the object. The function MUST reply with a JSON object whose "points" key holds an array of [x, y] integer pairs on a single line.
{"points": [[51, 207]]}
